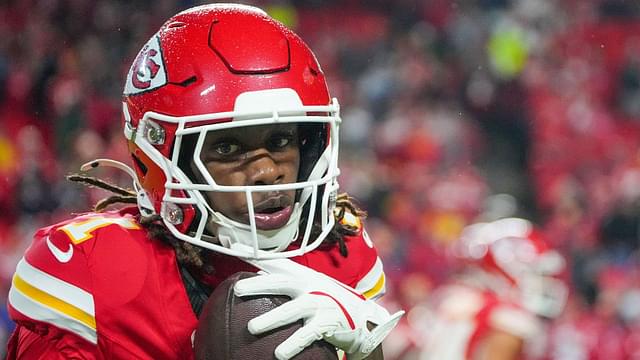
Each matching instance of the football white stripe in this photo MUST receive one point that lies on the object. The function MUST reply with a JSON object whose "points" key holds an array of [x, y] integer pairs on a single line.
{"points": [[371, 279], [40, 312], [55, 287]]}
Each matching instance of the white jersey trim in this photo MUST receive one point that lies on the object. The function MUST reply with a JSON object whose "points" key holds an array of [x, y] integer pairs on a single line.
{"points": [[40, 312], [42, 297], [53, 286], [373, 284]]}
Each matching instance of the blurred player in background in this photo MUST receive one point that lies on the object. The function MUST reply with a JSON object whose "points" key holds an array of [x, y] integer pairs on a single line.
{"points": [[495, 308], [234, 142]]}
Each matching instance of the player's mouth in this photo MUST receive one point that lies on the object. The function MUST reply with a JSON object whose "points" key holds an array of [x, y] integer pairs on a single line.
{"points": [[273, 213]]}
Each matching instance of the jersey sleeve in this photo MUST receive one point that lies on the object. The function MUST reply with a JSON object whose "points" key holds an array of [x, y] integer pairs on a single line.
{"points": [[371, 281], [30, 345], [51, 287], [373, 284], [97, 283], [361, 269]]}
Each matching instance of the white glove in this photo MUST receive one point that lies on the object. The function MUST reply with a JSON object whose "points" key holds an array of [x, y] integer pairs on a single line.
{"points": [[331, 310]]}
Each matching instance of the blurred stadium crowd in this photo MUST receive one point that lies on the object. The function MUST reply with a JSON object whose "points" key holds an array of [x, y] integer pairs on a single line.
{"points": [[453, 112]]}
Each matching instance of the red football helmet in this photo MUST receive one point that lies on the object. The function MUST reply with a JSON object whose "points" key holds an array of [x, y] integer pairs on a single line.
{"points": [[217, 67], [512, 254]]}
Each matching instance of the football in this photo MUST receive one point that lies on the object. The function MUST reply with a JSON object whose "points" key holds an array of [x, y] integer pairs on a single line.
{"points": [[222, 328]]}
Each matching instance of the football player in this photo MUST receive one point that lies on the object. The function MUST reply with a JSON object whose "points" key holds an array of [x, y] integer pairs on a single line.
{"points": [[494, 310], [234, 141]]}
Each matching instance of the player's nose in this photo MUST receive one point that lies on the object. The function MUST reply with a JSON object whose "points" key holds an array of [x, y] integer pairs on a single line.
{"points": [[264, 170]]}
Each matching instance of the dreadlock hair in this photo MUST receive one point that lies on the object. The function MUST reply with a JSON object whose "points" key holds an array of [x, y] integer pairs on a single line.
{"points": [[192, 255], [185, 252], [122, 195], [344, 203]]}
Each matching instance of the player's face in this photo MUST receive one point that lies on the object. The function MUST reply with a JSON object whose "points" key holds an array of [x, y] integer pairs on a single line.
{"points": [[257, 155]]}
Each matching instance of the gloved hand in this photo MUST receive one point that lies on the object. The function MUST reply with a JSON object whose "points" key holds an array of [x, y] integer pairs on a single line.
{"points": [[331, 310]]}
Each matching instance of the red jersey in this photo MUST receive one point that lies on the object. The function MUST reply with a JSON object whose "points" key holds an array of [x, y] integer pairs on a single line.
{"points": [[96, 287]]}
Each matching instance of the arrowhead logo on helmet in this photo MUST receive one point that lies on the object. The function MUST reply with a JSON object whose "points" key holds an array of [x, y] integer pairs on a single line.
{"points": [[148, 70]]}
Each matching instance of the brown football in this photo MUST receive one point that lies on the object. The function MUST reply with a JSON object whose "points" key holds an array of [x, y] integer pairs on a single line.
{"points": [[222, 328]]}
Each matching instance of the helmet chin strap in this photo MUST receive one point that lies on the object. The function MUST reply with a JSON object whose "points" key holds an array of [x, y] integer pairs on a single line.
{"points": [[229, 231]]}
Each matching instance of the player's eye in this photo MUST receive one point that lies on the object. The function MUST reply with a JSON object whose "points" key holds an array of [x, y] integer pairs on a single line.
{"points": [[225, 148], [280, 141]]}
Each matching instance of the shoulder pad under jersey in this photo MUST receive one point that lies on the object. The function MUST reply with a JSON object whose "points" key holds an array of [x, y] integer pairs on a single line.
{"points": [[371, 282], [361, 269], [52, 282]]}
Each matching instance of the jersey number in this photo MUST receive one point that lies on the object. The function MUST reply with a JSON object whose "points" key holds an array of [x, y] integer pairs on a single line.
{"points": [[81, 231]]}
